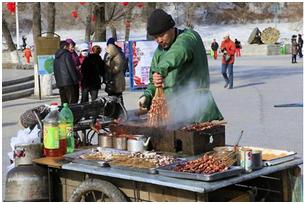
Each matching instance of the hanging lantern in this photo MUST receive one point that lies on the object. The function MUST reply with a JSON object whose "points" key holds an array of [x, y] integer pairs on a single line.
{"points": [[82, 3], [93, 18], [74, 14], [11, 7], [140, 5], [124, 3]]}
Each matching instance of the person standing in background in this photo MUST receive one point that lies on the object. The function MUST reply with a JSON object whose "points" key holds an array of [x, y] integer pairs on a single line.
{"points": [[92, 70], [228, 49], [114, 71], [76, 61], [65, 75], [294, 49], [27, 54], [238, 47], [300, 43], [214, 47]]}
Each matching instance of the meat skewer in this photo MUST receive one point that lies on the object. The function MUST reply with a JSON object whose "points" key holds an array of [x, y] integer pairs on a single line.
{"points": [[158, 114]]}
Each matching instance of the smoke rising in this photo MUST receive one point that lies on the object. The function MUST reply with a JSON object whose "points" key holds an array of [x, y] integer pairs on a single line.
{"points": [[187, 105]]}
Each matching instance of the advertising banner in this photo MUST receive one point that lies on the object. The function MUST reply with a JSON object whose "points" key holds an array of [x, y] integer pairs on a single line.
{"points": [[140, 57]]}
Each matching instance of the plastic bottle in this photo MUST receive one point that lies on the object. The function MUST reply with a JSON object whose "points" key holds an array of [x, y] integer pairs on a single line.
{"points": [[51, 132], [66, 130]]}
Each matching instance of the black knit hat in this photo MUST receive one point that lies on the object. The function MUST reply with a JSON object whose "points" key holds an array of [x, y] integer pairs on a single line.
{"points": [[159, 22]]}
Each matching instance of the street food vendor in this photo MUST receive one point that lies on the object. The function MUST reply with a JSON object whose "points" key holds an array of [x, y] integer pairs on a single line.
{"points": [[179, 62]]}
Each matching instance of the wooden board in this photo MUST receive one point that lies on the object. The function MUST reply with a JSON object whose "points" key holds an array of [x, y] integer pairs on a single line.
{"points": [[49, 161]]}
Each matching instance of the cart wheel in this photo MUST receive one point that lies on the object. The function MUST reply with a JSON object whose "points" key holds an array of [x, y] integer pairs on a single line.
{"points": [[96, 190]]}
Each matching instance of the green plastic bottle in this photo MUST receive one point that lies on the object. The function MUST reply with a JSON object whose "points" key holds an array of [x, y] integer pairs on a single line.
{"points": [[66, 130]]}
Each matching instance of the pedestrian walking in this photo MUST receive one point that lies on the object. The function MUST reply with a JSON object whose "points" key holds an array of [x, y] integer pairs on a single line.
{"points": [[294, 49], [228, 49], [92, 70], [300, 43], [65, 75], [214, 46], [114, 71], [76, 61], [27, 54], [238, 48]]}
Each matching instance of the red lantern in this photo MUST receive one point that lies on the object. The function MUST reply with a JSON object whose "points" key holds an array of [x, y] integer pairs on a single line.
{"points": [[124, 3], [93, 18], [82, 3], [140, 5], [74, 14], [11, 6]]}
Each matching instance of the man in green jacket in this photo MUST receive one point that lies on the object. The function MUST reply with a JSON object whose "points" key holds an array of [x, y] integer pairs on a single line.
{"points": [[179, 65]]}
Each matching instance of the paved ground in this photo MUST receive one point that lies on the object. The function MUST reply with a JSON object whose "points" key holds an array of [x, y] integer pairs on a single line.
{"points": [[259, 84]]}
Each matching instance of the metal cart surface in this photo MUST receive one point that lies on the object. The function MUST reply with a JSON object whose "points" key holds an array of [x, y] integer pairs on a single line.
{"points": [[77, 182]]}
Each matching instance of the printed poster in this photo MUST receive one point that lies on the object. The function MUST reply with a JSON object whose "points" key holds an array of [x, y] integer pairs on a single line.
{"points": [[45, 64], [141, 56]]}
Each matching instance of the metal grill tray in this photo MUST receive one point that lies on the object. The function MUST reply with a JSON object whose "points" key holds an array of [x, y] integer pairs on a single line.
{"points": [[168, 171], [75, 157]]}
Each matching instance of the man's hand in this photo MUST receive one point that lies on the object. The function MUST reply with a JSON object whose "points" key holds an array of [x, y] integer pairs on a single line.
{"points": [[158, 80], [142, 101]]}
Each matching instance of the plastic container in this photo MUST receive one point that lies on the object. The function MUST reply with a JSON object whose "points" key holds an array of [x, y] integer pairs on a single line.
{"points": [[51, 132], [66, 130]]}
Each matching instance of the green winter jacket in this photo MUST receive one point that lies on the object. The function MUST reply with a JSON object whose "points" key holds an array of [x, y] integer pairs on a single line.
{"points": [[184, 64]]}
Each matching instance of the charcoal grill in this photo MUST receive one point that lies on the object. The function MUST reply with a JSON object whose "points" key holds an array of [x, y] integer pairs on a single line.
{"points": [[177, 140]]}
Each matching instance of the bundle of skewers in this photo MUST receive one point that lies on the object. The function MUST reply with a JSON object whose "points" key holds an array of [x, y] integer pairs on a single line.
{"points": [[158, 114], [209, 163]]}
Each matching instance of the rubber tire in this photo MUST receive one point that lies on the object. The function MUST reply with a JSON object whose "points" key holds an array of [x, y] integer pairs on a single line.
{"points": [[110, 190]]}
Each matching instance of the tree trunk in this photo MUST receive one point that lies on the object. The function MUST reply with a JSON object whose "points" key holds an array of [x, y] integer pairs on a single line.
{"points": [[189, 14], [100, 31], [51, 19], [151, 6], [114, 31], [7, 36], [128, 20], [36, 21], [88, 22]]}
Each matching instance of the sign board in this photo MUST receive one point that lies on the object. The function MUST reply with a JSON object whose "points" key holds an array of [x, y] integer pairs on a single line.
{"points": [[45, 64], [47, 45], [140, 57]]}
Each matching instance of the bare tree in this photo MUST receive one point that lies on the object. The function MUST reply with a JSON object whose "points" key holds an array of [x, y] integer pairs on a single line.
{"points": [[88, 22], [51, 19], [151, 6], [128, 20], [7, 36], [36, 21], [100, 31], [189, 14]]}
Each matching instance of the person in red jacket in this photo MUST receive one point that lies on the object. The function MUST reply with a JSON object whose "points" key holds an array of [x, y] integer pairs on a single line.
{"points": [[228, 49], [27, 54]]}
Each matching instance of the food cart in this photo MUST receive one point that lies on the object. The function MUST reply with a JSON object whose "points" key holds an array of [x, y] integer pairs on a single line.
{"points": [[71, 178], [76, 179]]}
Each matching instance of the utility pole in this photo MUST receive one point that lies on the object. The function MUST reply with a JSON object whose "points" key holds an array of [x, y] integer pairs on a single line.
{"points": [[17, 27]]}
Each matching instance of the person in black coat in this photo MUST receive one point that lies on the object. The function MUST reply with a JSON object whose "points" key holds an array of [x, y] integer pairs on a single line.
{"points": [[214, 46], [65, 75], [238, 47], [92, 70], [300, 43]]}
